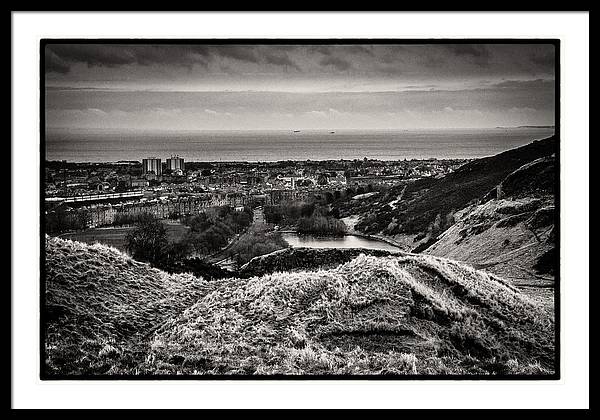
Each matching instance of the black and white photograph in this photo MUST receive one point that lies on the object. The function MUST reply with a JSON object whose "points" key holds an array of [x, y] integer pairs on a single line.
{"points": [[300, 210], [321, 208]]}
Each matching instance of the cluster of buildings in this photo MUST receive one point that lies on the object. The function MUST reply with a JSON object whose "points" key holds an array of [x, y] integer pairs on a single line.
{"points": [[165, 184], [152, 168]]}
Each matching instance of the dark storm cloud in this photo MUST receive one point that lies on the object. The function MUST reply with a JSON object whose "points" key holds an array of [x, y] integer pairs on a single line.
{"points": [[544, 58], [341, 49], [107, 55], [360, 49], [94, 55], [54, 63], [321, 49], [61, 57], [280, 59], [339, 56], [441, 61], [242, 52], [337, 62], [250, 86], [471, 49], [479, 54]]}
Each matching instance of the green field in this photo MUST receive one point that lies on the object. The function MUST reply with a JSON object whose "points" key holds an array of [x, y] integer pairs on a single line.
{"points": [[115, 236]]}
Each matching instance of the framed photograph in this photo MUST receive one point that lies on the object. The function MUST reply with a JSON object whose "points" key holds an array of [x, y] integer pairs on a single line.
{"points": [[324, 208], [300, 210]]}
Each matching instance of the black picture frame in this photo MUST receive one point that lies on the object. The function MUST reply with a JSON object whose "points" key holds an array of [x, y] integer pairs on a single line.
{"points": [[287, 41]]}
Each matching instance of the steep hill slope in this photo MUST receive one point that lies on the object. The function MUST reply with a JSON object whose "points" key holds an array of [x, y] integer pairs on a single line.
{"points": [[513, 233], [101, 305], [429, 204], [410, 314]]}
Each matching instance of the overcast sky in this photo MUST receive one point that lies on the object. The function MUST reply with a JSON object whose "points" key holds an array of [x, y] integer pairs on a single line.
{"points": [[237, 87]]}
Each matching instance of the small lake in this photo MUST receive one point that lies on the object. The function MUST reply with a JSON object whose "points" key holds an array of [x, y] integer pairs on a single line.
{"points": [[348, 241]]}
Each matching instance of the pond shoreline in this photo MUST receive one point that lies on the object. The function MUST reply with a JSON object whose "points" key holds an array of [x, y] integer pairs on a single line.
{"points": [[374, 238]]}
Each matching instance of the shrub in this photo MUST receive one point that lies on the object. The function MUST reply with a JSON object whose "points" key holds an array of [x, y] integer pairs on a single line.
{"points": [[211, 231], [254, 243], [148, 240]]}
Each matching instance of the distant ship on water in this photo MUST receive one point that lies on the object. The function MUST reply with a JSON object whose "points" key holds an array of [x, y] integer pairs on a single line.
{"points": [[297, 131]]}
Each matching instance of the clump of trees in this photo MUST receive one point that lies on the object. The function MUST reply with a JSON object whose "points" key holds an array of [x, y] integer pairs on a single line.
{"points": [[211, 231], [307, 218], [148, 242], [437, 227], [61, 220], [288, 213], [321, 225], [257, 241]]}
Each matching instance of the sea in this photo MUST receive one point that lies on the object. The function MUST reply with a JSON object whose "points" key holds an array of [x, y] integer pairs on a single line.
{"points": [[268, 146]]}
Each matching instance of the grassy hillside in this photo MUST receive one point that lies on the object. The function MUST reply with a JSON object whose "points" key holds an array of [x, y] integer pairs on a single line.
{"points": [[512, 234], [382, 315], [534, 179], [425, 201], [101, 306], [410, 314]]}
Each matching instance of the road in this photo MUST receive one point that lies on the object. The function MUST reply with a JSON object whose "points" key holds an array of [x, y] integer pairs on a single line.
{"points": [[259, 217]]}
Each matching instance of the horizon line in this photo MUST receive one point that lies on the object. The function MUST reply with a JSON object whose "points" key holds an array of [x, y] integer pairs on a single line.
{"points": [[98, 129]]}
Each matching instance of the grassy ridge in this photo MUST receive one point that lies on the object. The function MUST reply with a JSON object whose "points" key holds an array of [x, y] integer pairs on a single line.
{"points": [[428, 199], [512, 234], [472, 181], [101, 305], [381, 315], [410, 314]]}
